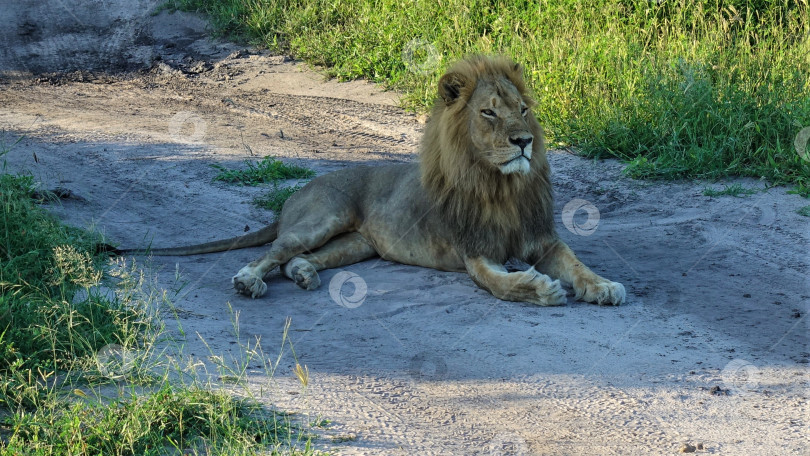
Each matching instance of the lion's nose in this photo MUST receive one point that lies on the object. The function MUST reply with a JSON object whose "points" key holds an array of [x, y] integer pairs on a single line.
{"points": [[521, 141]]}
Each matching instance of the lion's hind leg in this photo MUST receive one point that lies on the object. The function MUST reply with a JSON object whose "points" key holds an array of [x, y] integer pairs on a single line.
{"points": [[342, 250], [305, 235]]}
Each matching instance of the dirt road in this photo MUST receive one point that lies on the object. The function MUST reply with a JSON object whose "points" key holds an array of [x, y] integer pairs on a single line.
{"points": [[426, 363]]}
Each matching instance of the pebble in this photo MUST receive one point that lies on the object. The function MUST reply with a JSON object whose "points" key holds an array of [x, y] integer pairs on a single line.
{"points": [[688, 448]]}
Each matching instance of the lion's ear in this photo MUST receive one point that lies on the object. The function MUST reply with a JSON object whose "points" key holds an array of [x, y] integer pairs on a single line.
{"points": [[450, 86]]}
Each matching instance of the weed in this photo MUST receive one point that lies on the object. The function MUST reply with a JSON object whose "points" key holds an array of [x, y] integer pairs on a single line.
{"points": [[274, 199], [321, 423], [805, 211], [267, 170], [732, 190]]}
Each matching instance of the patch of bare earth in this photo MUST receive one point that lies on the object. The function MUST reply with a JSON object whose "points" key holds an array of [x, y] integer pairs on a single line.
{"points": [[711, 348]]}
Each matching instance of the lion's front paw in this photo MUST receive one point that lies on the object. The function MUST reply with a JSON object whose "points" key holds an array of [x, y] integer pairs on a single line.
{"points": [[602, 292], [532, 286], [248, 283]]}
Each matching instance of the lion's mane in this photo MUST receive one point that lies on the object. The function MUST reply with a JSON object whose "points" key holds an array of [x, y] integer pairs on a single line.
{"points": [[488, 213]]}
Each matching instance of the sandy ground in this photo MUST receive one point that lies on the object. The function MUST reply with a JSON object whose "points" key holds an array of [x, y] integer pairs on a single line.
{"points": [[129, 110]]}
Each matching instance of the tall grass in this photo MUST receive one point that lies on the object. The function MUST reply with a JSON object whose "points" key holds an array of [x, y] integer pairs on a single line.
{"points": [[703, 88], [79, 370]]}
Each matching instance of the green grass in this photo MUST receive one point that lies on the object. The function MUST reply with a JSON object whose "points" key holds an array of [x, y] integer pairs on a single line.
{"points": [[736, 190], [79, 369], [203, 421], [42, 266], [266, 170], [274, 199], [805, 211], [677, 89]]}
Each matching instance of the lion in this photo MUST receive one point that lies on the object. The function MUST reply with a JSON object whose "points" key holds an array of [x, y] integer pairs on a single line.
{"points": [[479, 195]]}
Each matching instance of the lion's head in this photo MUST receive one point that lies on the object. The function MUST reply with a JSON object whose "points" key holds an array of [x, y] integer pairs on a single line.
{"points": [[483, 155]]}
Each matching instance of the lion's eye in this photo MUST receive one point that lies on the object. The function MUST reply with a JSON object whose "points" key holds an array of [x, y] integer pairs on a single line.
{"points": [[488, 113]]}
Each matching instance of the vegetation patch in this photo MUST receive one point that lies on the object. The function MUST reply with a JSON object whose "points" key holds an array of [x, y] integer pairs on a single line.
{"points": [[79, 374], [186, 420], [731, 190], [267, 170], [805, 211], [45, 325], [709, 88], [274, 199]]}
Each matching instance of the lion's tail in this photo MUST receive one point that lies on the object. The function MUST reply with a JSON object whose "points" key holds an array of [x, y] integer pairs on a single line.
{"points": [[261, 237]]}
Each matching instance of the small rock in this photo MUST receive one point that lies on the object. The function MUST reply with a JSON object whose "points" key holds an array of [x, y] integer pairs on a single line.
{"points": [[687, 448], [165, 68], [717, 391], [699, 446], [747, 295], [199, 67], [237, 54]]}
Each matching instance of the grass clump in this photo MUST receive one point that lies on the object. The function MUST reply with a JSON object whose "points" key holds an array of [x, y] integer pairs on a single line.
{"points": [[274, 199], [735, 190], [79, 371], [45, 324], [266, 170], [677, 89], [805, 211], [194, 421]]}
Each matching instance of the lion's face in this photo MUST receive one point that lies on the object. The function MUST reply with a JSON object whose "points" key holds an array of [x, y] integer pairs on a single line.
{"points": [[499, 127], [483, 99]]}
